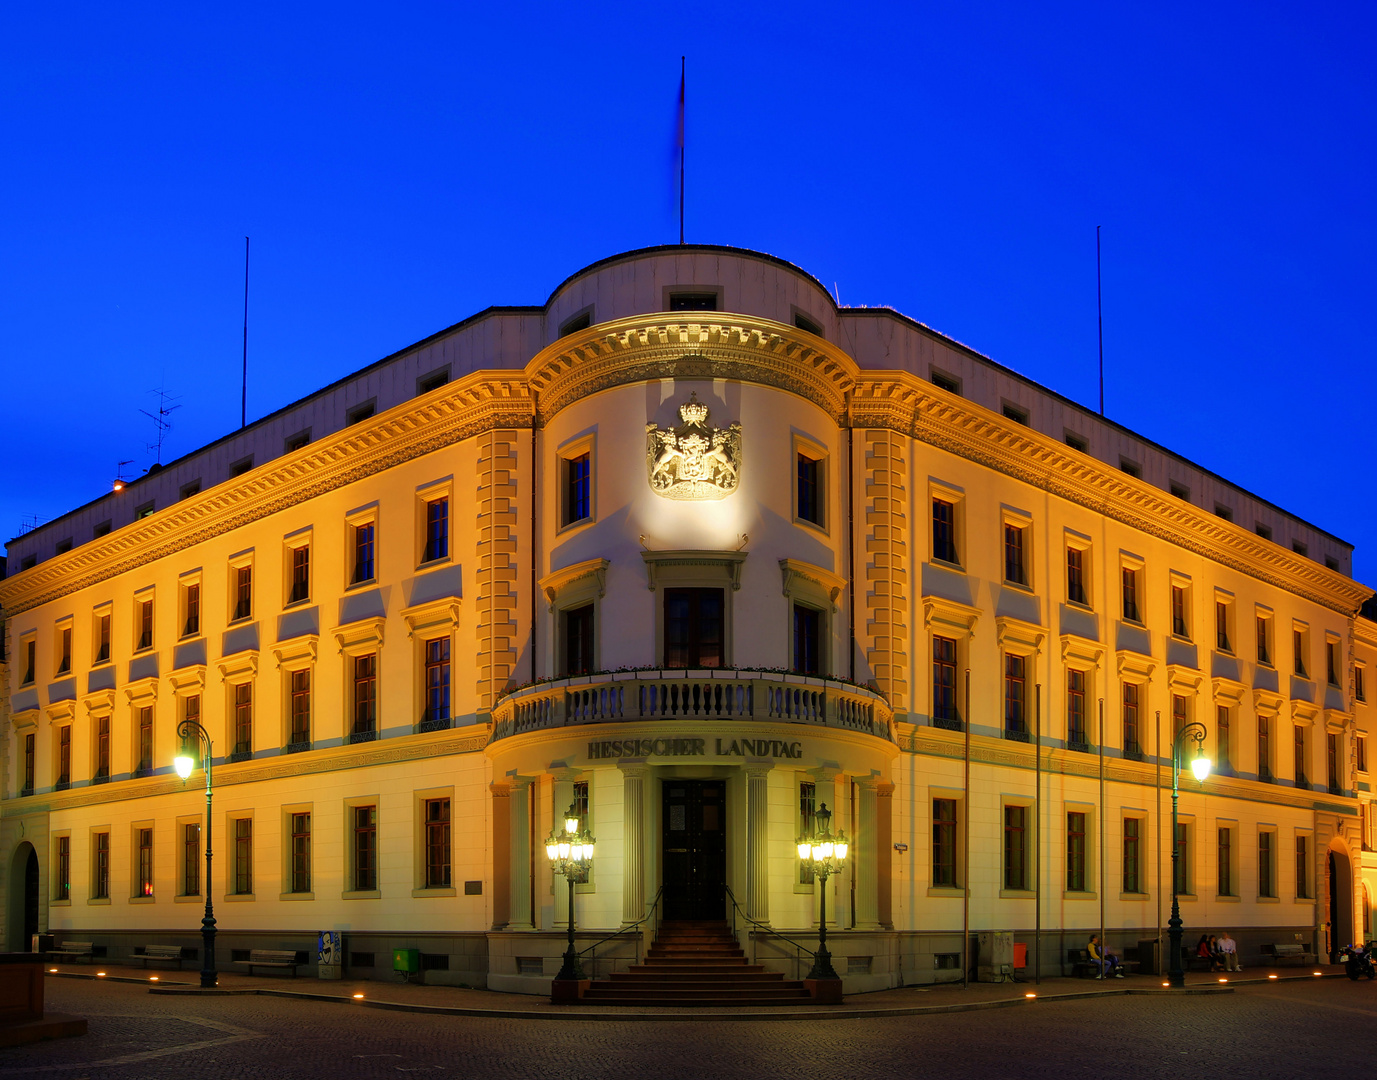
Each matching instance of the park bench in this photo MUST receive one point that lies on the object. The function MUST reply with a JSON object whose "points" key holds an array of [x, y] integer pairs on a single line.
{"points": [[1082, 967], [1289, 955], [73, 950], [272, 958], [160, 953]]}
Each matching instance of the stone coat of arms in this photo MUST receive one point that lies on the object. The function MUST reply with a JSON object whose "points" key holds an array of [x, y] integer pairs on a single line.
{"points": [[694, 460]]}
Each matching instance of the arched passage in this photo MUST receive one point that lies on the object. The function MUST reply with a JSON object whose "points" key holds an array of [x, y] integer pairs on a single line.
{"points": [[22, 916], [1339, 881]]}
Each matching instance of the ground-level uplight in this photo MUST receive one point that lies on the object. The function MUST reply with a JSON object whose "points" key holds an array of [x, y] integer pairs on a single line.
{"points": [[358, 997], [1030, 995], [101, 974], [1223, 980], [1319, 973], [1271, 976], [152, 978], [52, 971]]}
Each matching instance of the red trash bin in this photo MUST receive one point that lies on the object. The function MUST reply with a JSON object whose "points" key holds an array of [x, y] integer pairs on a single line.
{"points": [[1020, 954]]}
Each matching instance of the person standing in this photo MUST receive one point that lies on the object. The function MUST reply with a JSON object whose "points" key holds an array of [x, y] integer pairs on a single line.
{"points": [[1228, 948]]}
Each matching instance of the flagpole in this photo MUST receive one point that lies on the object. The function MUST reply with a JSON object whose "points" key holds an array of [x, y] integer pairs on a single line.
{"points": [[244, 386], [683, 71]]}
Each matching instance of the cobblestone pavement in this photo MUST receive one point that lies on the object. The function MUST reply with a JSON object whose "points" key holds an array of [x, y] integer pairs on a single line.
{"points": [[1287, 1029]]}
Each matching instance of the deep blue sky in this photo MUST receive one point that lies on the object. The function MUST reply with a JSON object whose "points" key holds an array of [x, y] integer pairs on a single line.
{"points": [[400, 168]]}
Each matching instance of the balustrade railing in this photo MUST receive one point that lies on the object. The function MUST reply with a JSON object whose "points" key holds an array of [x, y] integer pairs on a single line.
{"points": [[712, 695]]}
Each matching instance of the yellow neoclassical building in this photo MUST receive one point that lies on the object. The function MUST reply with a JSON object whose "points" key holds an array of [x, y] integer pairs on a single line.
{"points": [[694, 551]]}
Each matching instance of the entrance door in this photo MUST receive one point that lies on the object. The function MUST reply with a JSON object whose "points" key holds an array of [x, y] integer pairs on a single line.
{"points": [[31, 898], [695, 849]]}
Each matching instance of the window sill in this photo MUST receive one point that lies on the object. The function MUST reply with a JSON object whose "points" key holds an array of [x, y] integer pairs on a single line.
{"points": [[443, 560], [98, 901], [417, 894], [1189, 898], [951, 892], [803, 890], [195, 635], [243, 620], [574, 526], [1137, 624], [296, 896], [1305, 900], [364, 583], [1134, 896], [1080, 605], [1180, 639], [292, 605], [238, 897], [147, 650], [361, 894], [1016, 894], [1070, 894], [817, 526], [60, 903], [188, 898], [142, 899], [946, 564], [1229, 899], [1020, 586], [1269, 900], [99, 664]]}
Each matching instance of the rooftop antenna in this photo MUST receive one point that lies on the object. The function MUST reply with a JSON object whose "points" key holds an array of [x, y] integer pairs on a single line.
{"points": [[1099, 304], [161, 422], [683, 71], [244, 391]]}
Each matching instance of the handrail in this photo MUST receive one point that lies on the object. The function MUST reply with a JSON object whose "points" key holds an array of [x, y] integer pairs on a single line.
{"points": [[654, 907], [768, 929]]}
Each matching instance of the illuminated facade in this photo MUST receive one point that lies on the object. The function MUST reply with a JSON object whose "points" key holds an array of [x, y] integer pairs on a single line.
{"points": [[696, 552]]}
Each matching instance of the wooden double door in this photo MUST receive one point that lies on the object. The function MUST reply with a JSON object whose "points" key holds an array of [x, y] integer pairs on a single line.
{"points": [[694, 843]]}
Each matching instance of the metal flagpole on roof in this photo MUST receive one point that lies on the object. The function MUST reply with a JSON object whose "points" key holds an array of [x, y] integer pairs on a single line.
{"points": [[683, 73], [244, 386]]}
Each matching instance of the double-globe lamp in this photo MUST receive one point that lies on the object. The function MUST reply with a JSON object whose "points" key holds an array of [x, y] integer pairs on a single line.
{"points": [[825, 855], [571, 854]]}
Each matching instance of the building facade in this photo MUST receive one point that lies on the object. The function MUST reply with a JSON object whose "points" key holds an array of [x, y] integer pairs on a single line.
{"points": [[694, 551]]}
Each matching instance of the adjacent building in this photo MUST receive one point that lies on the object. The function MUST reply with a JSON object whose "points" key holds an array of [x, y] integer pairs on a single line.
{"points": [[694, 551]]}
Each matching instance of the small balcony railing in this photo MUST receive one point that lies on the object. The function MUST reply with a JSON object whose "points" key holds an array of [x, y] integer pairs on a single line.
{"points": [[704, 694]]}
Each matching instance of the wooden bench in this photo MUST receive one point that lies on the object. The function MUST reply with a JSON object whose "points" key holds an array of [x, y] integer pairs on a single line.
{"points": [[161, 953], [74, 950], [1082, 967], [1289, 955], [272, 958]]}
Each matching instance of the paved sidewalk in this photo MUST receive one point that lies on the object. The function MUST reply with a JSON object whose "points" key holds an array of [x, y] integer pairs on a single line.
{"points": [[459, 1001]]}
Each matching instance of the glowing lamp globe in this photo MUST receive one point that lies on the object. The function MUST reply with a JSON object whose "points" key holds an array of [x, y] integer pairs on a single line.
{"points": [[571, 825], [1201, 767], [841, 848], [183, 763], [805, 850]]}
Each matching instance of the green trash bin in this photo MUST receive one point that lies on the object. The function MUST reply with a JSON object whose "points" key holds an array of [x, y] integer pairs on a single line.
{"points": [[406, 960]]}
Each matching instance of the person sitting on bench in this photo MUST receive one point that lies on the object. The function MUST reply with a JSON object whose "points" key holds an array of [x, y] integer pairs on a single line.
{"points": [[1108, 963]]}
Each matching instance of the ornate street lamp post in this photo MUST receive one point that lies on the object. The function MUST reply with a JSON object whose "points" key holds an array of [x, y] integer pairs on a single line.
{"points": [[570, 854], [193, 736], [1200, 766], [825, 854]]}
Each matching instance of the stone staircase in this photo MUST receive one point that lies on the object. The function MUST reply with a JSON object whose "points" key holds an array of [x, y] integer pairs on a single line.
{"points": [[696, 963]]}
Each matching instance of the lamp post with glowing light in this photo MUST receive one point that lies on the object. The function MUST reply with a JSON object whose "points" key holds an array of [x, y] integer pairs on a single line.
{"points": [[1200, 767], [570, 854], [193, 737], [825, 855]]}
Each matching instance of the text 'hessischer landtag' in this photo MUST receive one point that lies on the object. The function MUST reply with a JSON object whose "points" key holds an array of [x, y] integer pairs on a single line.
{"points": [[690, 747]]}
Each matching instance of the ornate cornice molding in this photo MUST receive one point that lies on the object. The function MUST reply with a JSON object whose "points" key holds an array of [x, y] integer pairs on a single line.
{"points": [[738, 347], [479, 402], [903, 402]]}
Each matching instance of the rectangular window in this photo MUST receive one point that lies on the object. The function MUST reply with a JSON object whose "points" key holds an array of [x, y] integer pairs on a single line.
{"points": [[944, 531], [1133, 855], [1264, 654], [1180, 867], [191, 859], [365, 698], [363, 553], [144, 878], [1361, 754], [1298, 646], [1129, 578], [301, 708], [1226, 862], [1075, 709], [1302, 868], [243, 719], [944, 843], [301, 853], [301, 575], [243, 592], [1015, 697], [145, 740], [693, 628], [1302, 780], [365, 848], [807, 807], [102, 639], [1133, 740], [809, 472], [192, 599], [1179, 626], [944, 707], [64, 868], [437, 843], [578, 639], [1075, 851], [1266, 870], [1015, 566], [30, 653], [1015, 847], [578, 488], [243, 856], [581, 812], [437, 684], [1180, 713], [29, 763], [1331, 757], [437, 530], [100, 866], [693, 302], [1223, 720], [1331, 662], [145, 625], [807, 640], [1359, 691], [1075, 576], [1264, 748], [1221, 627], [102, 748], [64, 648], [64, 756]]}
